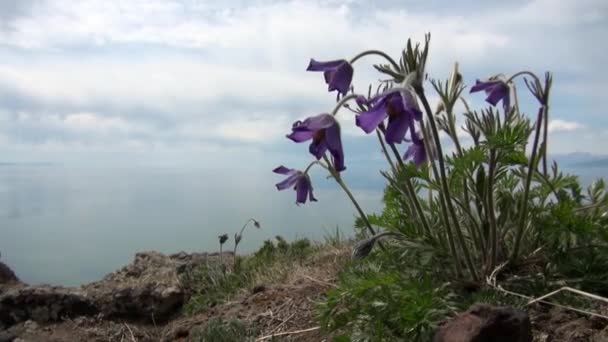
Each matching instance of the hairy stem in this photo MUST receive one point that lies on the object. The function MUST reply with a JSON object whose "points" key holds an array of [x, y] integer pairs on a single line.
{"points": [[491, 214], [545, 139], [412, 193], [342, 102], [428, 146], [340, 182], [378, 53], [384, 150], [444, 183], [524, 202]]}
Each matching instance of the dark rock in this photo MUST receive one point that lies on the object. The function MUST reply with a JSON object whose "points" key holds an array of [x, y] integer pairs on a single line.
{"points": [[42, 304], [485, 323], [7, 276], [148, 290]]}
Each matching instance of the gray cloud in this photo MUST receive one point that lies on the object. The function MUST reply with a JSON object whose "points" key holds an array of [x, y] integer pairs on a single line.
{"points": [[13, 9], [188, 72]]}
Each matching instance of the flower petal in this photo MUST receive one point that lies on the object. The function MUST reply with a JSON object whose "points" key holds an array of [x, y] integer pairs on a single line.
{"points": [[482, 85], [289, 181], [369, 121], [334, 143], [417, 153], [300, 136], [318, 149], [314, 65], [496, 93], [283, 170], [341, 78], [361, 100], [419, 156], [397, 127], [317, 122], [302, 189], [411, 104]]}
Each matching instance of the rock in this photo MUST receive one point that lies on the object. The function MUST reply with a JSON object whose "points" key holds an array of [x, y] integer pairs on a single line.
{"points": [[485, 323], [30, 326], [42, 304], [7, 276], [149, 289]]}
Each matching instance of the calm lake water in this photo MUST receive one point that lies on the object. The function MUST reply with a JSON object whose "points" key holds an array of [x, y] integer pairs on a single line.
{"points": [[68, 226]]}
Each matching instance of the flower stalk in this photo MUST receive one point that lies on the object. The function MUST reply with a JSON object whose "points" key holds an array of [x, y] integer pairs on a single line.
{"points": [[524, 203], [444, 184]]}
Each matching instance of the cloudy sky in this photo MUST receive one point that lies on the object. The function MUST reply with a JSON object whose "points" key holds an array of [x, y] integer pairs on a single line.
{"points": [[179, 81]]}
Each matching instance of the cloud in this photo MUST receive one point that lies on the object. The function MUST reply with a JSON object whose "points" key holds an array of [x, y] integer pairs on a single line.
{"points": [[184, 72], [558, 125]]}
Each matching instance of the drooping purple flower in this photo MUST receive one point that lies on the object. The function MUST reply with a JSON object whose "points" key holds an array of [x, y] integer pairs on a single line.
{"points": [[324, 131], [338, 74], [399, 106], [300, 182], [416, 151], [496, 90]]}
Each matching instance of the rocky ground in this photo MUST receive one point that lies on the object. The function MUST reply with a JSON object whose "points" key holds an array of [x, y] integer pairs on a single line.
{"points": [[143, 302]]}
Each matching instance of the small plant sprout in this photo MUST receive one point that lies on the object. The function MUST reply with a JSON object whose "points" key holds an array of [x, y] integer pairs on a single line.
{"points": [[223, 238], [239, 236]]}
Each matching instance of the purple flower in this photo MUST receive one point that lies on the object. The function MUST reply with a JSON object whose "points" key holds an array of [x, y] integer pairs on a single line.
{"points": [[416, 151], [299, 180], [495, 91], [338, 74], [324, 131], [399, 106]]}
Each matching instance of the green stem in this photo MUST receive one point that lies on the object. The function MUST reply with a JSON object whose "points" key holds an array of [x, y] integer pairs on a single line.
{"points": [[451, 121], [412, 194], [476, 230], [340, 182], [525, 72], [378, 53], [342, 102], [524, 203], [388, 157], [444, 183], [444, 212], [241, 235], [545, 139], [491, 214], [515, 99], [407, 196]]}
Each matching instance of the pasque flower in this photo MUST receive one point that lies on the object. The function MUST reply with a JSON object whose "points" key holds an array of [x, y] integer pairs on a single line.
{"points": [[300, 182], [399, 106], [324, 131], [338, 74], [496, 90], [416, 151]]}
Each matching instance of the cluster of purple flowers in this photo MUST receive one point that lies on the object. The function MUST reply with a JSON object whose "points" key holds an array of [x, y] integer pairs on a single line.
{"points": [[397, 106]]}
